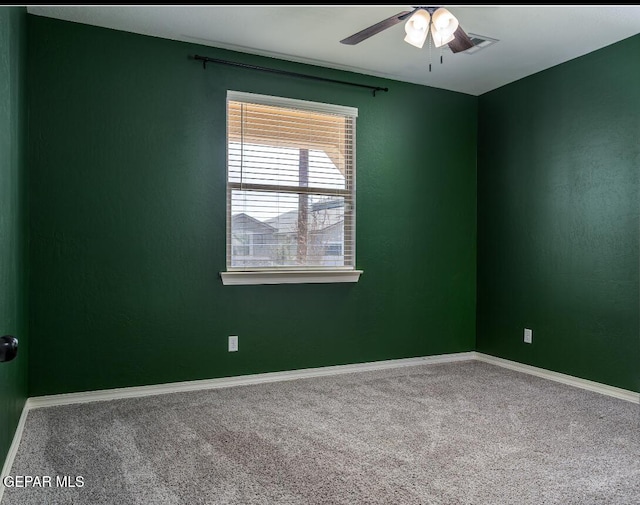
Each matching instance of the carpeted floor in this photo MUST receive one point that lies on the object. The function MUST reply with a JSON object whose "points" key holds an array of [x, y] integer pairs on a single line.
{"points": [[459, 433]]}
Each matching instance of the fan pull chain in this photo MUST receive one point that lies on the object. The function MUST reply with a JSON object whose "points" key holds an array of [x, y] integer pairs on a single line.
{"points": [[429, 52]]}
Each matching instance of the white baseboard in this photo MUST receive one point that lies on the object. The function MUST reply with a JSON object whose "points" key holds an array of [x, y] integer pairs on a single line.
{"points": [[242, 380], [597, 387], [13, 448], [261, 378], [175, 387]]}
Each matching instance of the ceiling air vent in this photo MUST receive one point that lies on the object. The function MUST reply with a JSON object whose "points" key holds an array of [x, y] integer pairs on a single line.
{"points": [[479, 42]]}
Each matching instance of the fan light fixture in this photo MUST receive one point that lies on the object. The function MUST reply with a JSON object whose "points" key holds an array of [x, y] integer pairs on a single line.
{"points": [[443, 25], [417, 28]]}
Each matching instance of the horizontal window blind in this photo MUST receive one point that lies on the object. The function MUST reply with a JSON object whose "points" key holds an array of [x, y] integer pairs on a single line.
{"points": [[290, 184]]}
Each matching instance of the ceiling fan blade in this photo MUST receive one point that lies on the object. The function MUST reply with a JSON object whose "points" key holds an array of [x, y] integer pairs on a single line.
{"points": [[356, 38], [462, 42]]}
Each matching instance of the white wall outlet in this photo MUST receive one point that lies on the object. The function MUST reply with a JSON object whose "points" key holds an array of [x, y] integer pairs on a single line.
{"points": [[233, 343], [528, 336]]}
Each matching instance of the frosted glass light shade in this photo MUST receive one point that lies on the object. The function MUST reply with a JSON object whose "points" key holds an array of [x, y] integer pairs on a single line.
{"points": [[443, 26], [417, 28], [439, 39]]}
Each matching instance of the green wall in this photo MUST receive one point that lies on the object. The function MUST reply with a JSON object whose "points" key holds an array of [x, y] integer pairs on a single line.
{"points": [[127, 219], [558, 218], [13, 374]]}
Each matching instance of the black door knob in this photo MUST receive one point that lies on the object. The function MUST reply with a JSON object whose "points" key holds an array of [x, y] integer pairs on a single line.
{"points": [[8, 348]]}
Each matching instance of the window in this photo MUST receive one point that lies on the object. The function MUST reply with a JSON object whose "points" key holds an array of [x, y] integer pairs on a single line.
{"points": [[290, 191], [334, 249]]}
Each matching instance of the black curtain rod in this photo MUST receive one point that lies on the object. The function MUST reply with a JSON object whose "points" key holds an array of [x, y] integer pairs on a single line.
{"points": [[206, 60]]}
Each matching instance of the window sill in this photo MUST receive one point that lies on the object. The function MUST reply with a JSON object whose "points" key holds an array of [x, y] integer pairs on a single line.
{"points": [[289, 277]]}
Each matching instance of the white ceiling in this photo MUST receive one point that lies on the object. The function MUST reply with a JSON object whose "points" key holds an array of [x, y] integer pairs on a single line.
{"points": [[531, 38]]}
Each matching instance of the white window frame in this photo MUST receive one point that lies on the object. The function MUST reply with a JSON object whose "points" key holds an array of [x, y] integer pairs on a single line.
{"points": [[237, 275]]}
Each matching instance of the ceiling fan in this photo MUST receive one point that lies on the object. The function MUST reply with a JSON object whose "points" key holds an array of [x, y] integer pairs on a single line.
{"points": [[443, 25]]}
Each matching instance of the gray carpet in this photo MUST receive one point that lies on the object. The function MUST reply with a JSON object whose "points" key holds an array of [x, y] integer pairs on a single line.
{"points": [[459, 433]]}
